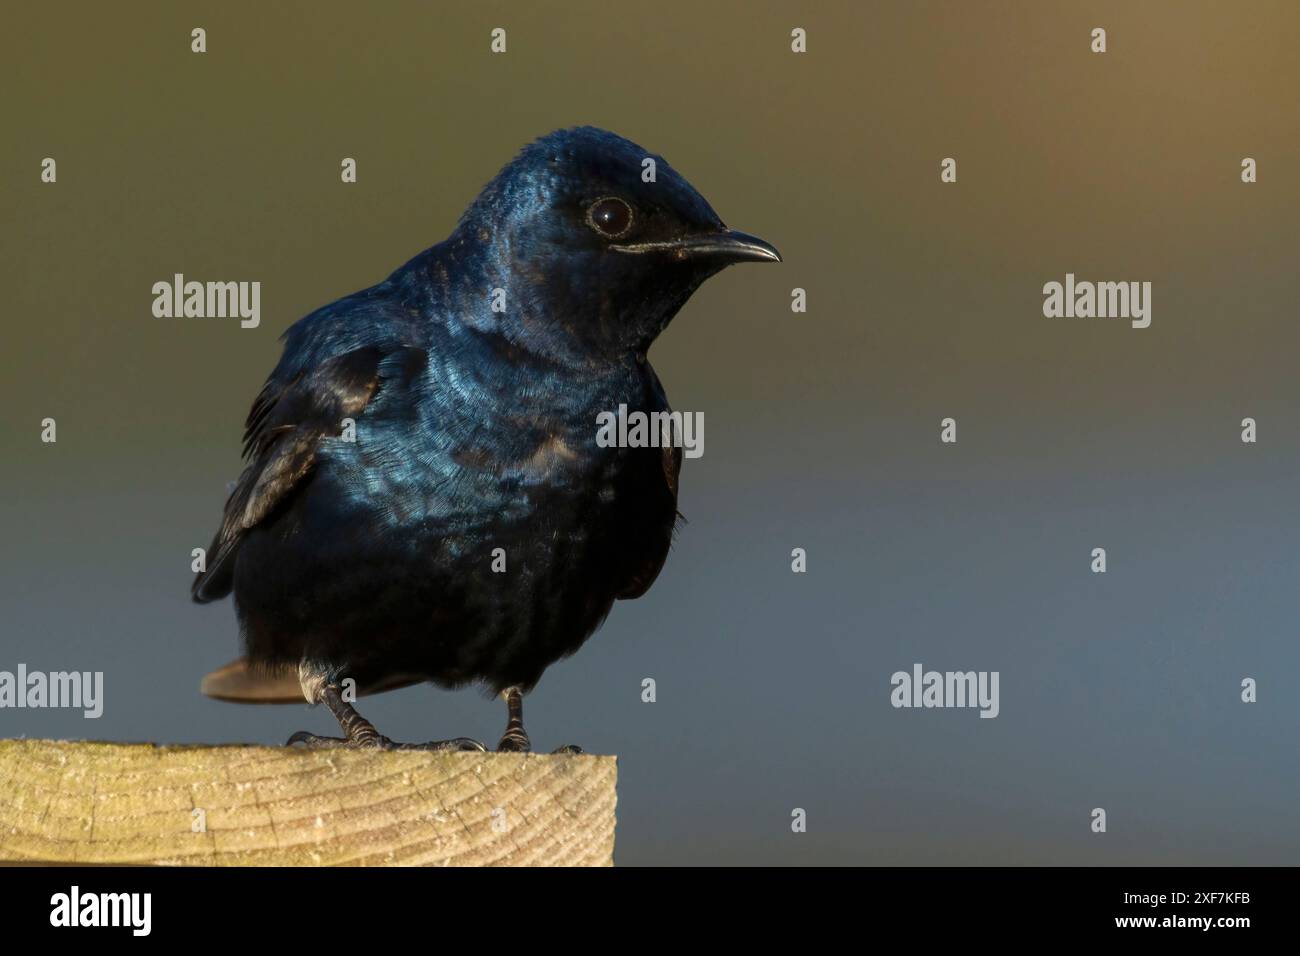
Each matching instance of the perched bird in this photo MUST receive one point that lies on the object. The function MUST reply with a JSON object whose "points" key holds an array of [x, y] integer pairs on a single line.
{"points": [[424, 497]]}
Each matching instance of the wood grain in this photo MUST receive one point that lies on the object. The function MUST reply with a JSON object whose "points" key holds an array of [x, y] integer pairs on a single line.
{"points": [[77, 802]]}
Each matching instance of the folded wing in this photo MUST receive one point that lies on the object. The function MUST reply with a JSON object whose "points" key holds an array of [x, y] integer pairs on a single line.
{"points": [[284, 430]]}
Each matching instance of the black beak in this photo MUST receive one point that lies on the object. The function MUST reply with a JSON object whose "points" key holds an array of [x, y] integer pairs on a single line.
{"points": [[726, 245]]}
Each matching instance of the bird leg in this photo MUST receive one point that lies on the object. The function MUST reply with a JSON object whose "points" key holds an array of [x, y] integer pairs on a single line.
{"points": [[361, 734], [515, 739]]}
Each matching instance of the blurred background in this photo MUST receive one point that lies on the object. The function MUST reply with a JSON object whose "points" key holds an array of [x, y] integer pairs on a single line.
{"points": [[1119, 690]]}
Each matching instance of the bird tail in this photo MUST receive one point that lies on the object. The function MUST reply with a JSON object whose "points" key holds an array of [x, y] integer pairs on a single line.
{"points": [[244, 682], [241, 682]]}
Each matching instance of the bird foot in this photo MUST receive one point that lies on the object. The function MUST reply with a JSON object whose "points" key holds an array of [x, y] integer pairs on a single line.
{"points": [[360, 734], [467, 744], [516, 741], [379, 742]]}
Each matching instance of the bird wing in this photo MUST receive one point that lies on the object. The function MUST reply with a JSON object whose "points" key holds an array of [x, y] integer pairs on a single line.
{"points": [[281, 438], [660, 499], [656, 551]]}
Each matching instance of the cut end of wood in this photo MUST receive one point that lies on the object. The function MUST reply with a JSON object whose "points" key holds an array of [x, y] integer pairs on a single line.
{"points": [[108, 803]]}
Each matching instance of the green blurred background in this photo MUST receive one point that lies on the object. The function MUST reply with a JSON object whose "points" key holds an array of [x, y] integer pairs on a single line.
{"points": [[1118, 690]]}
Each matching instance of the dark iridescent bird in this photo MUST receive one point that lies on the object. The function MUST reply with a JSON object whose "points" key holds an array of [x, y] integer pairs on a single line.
{"points": [[412, 429]]}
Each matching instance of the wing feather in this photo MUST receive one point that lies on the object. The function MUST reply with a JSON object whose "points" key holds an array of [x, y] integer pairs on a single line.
{"points": [[281, 437]]}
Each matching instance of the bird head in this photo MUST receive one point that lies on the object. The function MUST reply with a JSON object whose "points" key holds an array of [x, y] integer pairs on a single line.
{"points": [[598, 243]]}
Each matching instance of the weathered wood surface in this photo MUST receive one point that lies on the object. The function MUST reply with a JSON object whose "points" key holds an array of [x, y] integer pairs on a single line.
{"points": [[76, 802]]}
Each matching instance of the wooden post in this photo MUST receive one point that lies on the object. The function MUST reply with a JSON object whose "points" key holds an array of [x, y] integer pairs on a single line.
{"points": [[76, 802]]}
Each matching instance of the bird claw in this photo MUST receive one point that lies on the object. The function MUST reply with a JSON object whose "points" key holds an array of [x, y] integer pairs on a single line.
{"points": [[506, 747], [462, 744], [510, 745], [313, 741]]}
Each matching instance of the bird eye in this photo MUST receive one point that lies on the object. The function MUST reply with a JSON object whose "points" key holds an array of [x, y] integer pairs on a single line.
{"points": [[610, 217]]}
